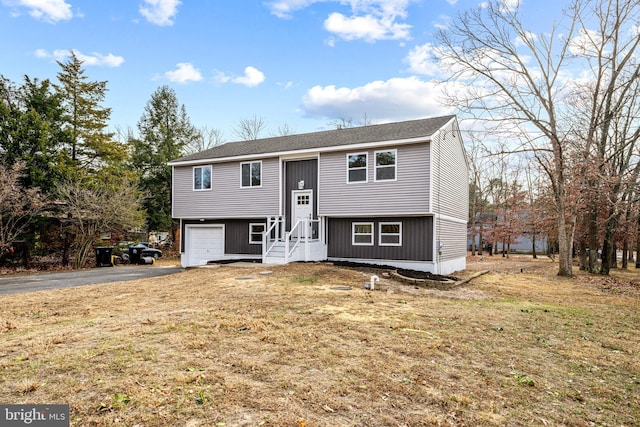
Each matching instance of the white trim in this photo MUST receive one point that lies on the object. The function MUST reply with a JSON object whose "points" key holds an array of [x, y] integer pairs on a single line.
{"points": [[173, 194], [380, 233], [250, 163], [366, 167], [353, 233], [376, 214], [251, 232], [294, 153], [193, 177], [395, 165]]}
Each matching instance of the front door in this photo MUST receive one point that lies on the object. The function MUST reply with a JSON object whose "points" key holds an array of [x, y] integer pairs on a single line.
{"points": [[301, 207]]}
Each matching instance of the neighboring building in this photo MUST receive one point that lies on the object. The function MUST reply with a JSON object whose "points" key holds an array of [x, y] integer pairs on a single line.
{"points": [[391, 194]]}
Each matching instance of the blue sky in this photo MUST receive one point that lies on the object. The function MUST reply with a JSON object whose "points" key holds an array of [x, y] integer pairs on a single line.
{"points": [[300, 63]]}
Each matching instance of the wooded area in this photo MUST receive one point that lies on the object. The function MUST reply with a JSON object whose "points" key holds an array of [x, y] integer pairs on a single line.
{"points": [[554, 148], [66, 180]]}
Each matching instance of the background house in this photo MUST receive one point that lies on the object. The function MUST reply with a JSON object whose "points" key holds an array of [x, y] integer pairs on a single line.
{"points": [[393, 194]]}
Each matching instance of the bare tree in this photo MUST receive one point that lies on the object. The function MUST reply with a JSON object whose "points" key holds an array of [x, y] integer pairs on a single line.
{"points": [[95, 208], [208, 138], [18, 206], [520, 79], [284, 130], [250, 128]]}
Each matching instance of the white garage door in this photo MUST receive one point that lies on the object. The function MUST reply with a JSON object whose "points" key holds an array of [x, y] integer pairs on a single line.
{"points": [[204, 243]]}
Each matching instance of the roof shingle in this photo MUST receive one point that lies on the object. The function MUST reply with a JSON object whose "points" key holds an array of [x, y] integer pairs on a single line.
{"points": [[316, 140]]}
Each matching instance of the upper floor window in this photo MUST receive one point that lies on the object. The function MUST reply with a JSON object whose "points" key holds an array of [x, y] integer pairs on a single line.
{"points": [[251, 174], [202, 178], [357, 167], [386, 165]]}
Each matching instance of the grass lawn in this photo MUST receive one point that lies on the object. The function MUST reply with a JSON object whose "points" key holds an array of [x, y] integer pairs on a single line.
{"points": [[232, 346]]}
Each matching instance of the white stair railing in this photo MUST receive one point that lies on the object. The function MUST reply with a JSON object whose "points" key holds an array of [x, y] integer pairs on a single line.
{"points": [[267, 242], [288, 251]]}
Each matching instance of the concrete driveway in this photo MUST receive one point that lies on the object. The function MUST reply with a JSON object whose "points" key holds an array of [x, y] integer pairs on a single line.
{"points": [[30, 282]]}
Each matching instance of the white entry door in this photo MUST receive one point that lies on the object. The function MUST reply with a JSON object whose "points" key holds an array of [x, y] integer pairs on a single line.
{"points": [[301, 207]]}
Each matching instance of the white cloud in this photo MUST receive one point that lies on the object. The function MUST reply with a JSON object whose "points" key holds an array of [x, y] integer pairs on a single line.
{"points": [[285, 8], [586, 43], [184, 74], [370, 20], [92, 59], [423, 60], [509, 5], [252, 77], [45, 10], [160, 12], [285, 85], [383, 101], [368, 27]]}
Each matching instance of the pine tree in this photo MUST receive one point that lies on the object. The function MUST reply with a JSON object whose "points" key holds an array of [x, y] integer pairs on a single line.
{"points": [[165, 131], [91, 145]]}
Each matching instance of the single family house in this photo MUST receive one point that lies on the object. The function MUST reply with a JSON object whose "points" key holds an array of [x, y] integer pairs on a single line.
{"points": [[389, 194]]}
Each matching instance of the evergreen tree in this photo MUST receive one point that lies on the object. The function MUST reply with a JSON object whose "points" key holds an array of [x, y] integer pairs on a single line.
{"points": [[32, 132], [165, 131], [90, 143]]}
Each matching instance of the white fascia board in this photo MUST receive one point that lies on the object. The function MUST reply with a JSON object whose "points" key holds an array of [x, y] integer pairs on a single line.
{"points": [[377, 214], [296, 154]]}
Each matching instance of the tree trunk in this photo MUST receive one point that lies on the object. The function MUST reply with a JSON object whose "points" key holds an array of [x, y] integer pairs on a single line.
{"points": [[592, 267], [583, 258], [533, 244], [638, 245], [565, 244], [625, 254], [609, 258]]}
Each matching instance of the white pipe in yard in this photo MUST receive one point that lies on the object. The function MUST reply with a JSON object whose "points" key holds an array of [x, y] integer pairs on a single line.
{"points": [[374, 279]]}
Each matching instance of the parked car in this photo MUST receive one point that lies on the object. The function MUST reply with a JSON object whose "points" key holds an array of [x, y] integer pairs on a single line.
{"points": [[146, 252]]}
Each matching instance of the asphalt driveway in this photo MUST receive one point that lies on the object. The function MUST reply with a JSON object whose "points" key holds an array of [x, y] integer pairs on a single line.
{"points": [[30, 282]]}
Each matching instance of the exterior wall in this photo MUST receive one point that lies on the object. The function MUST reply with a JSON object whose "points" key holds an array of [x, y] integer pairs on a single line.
{"points": [[226, 198], [450, 174], [408, 194], [417, 235], [451, 239], [236, 236]]}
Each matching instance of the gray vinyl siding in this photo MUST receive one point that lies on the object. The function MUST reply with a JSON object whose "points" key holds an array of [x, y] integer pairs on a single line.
{"points": [[453, 236], [417, 238], [236, 235], [226, 198], [408, 194], [296, 171], [450, 175]]}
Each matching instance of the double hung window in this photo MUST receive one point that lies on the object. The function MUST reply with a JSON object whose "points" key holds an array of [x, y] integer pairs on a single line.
{"points": [[390, 234], [251, 174], [202, 178], [362, 233], [386, 165], [357, 167], [256, 231]]}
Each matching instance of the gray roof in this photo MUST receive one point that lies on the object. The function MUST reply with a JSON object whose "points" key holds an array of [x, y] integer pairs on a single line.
{"points": [[317, 140]]}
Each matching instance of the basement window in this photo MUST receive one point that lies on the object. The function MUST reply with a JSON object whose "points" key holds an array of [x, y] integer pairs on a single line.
{"points": [[362, 233]]}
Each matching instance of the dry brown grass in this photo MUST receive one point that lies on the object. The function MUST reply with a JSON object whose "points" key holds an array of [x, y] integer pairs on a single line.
{"points": [[233, 347]]}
